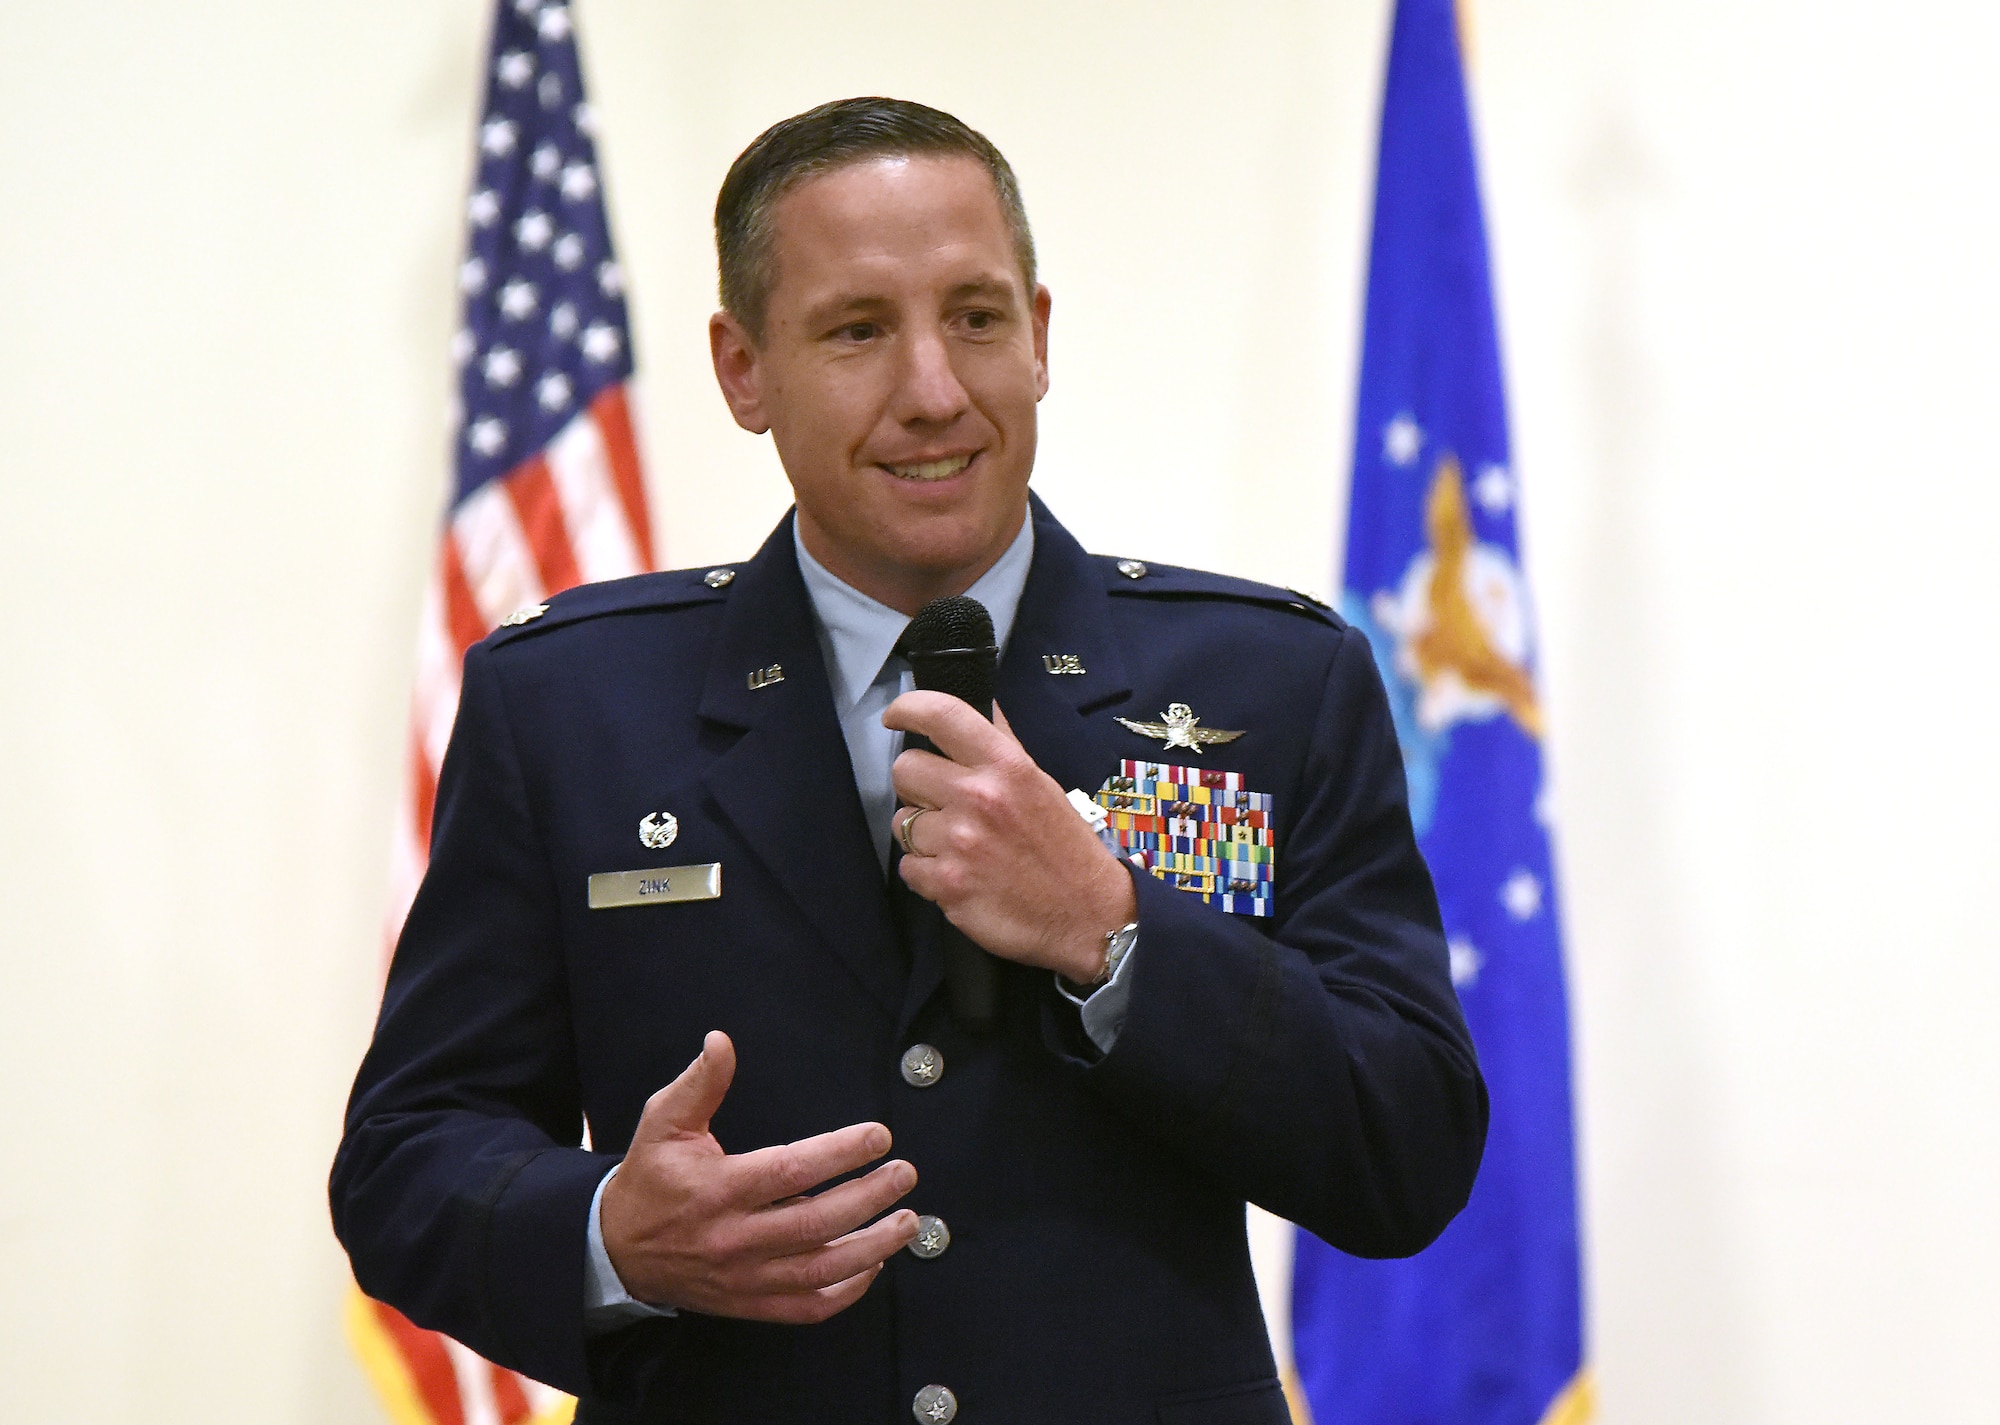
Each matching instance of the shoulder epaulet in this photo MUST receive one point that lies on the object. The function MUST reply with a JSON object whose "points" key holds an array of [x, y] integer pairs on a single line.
{"points": [[673, 588], [1142, 578]]}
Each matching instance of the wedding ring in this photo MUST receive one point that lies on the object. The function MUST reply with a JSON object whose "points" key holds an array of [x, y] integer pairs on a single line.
{"points": [[903, 831]]}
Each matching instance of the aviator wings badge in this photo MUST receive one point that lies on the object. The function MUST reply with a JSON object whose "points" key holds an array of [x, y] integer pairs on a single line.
{"points": [[1181, 728]]}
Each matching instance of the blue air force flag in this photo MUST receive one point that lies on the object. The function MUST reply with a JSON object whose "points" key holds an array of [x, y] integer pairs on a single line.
{"points": [[1483, 1328]]}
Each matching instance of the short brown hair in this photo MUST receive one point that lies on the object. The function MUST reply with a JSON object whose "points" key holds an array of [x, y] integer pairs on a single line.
{"points": [[817, 142]]}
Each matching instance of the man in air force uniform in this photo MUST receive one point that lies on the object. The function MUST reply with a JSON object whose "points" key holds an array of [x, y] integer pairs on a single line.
{"points": [[677, 823]]}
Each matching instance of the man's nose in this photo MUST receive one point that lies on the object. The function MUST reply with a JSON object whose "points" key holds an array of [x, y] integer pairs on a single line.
{"points": [[930, 392]]}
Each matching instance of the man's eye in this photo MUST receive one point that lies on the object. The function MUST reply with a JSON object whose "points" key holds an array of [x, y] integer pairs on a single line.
{"points": [[981, 321], [856, 331]]}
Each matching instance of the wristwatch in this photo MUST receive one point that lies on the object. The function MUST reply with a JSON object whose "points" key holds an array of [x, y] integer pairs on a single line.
{"points": [[1117, 945]]}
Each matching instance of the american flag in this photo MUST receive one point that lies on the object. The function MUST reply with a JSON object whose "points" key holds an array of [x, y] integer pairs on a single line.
{"points": [[547, 494]]}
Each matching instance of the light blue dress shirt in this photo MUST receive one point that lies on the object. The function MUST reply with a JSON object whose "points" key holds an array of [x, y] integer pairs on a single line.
{"points": [[857, 640]]}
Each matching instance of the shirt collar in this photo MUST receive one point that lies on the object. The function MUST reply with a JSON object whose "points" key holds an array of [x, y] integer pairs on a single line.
{"points": [[859, 633]]}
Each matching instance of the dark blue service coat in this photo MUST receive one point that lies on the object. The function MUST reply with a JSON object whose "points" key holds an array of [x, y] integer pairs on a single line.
{"points": [[1314, 1062]]}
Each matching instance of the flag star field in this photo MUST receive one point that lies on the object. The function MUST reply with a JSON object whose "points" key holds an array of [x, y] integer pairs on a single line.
{"points": [[544, 299]]}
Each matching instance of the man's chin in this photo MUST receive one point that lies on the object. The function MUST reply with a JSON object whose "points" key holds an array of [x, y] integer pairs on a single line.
{"points": [[931, 563]]}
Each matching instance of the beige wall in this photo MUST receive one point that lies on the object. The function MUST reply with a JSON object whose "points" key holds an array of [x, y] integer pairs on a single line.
{"points": [[1745, 267]]}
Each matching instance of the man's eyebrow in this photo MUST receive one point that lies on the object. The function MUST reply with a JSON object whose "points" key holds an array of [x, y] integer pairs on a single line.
{"points": [[994, 287], [844, 304], [863, 304]]}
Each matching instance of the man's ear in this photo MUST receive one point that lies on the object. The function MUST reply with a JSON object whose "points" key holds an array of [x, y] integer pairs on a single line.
{"points": [[739, 371], [1039, 320]]}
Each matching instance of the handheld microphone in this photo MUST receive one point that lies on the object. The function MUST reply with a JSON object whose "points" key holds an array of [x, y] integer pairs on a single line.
{"points": [[950, 647]]}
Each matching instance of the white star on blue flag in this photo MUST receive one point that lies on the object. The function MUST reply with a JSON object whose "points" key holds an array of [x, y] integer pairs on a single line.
{"points": [[539, 242]]}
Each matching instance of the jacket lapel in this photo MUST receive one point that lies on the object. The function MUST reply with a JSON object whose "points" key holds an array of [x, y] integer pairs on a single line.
{"points": [[1064, 610], [787, 785]]}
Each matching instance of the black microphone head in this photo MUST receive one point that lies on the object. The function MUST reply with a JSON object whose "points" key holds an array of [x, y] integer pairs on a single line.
{"points": [[950, 646], [955, 621]]}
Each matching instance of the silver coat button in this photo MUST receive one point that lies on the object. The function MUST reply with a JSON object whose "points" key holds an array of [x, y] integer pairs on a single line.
{"points": [[1132, 568], [716, 578], [934, 1405], [922, 1066], [931, 1239]]}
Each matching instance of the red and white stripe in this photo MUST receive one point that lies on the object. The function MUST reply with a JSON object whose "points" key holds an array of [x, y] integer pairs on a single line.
{"points": [[573, 514]]}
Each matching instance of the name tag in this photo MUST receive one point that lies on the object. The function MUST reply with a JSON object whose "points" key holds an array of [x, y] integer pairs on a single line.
{"points": [[660, 886]]}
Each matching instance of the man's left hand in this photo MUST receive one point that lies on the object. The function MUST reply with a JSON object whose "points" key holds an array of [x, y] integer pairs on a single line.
{"points": [[998, 846]]}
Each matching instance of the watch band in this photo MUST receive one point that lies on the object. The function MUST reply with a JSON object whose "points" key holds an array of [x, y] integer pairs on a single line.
{"points": [[1117, 945]]}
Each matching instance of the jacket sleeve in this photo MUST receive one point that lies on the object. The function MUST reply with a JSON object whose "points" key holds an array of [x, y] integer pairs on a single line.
{"points": [[458, 1189], [1324, 1072]]}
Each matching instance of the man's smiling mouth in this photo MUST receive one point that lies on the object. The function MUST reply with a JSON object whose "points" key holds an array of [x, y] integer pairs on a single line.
{"points": [[930, 470]]}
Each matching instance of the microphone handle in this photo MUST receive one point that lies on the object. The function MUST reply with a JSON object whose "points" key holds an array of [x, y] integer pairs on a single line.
{"points": [[971, 980], [971, 974]]}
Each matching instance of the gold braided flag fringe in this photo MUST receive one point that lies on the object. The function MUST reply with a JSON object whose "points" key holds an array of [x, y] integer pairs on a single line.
{"points": [[1295, 1397], [1577, 1405]]}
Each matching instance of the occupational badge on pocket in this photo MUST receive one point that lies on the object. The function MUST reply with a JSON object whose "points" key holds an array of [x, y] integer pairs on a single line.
{"points": [[1199, 830]]}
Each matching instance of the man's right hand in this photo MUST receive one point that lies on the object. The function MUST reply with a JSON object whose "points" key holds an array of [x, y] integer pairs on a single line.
{"points": [[687, 1225]]}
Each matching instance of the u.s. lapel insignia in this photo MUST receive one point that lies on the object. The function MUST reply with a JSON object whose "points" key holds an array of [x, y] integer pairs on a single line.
{"points": [[658, 830], [764, 677], [1181, 728], [1060, 663], [1199, 830]]}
